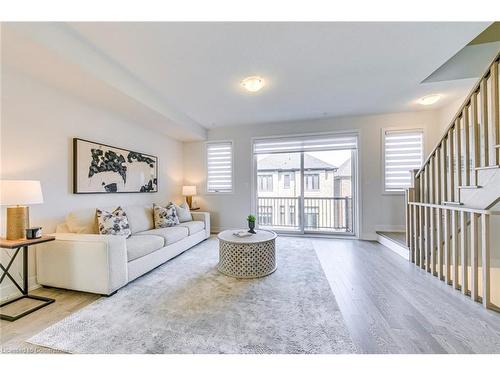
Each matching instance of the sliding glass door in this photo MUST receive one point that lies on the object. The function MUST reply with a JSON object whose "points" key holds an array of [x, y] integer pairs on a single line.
{"points": [[306, 184]]}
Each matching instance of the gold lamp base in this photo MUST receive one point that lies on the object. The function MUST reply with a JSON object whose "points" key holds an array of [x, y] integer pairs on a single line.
{"points": [[17, 222], [189, 200]]}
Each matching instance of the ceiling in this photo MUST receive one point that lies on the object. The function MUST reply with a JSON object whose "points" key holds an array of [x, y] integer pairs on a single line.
{"points": [[312, 69], [189, 73]]}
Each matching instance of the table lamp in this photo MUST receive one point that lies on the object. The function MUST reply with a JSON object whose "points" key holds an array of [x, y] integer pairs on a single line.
{"points": [[188, 191], [19, 193]]}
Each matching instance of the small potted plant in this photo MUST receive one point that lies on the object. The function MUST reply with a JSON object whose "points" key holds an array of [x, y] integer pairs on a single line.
{"points": [[251, 223]]}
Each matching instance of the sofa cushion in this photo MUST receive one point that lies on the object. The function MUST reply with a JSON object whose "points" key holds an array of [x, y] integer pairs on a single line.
{"points": [[183, 212], [138, 246], [193, 226], [170, 234], [113, 222], [140, 218]]}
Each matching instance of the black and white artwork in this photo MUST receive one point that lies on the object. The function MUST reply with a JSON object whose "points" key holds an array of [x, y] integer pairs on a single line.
{"points": [[99, 168]]}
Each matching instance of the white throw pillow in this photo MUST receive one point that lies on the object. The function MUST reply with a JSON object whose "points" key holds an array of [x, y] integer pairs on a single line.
{"points": [[183, 212], [114, 222], [165, 216], [82, 221]]}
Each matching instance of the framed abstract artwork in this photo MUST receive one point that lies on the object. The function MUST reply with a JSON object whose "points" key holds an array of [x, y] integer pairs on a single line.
{"points": [[99, 168]]}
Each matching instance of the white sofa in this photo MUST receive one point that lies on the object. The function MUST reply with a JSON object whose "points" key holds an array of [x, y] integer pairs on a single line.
{"points": [[80, 259]]}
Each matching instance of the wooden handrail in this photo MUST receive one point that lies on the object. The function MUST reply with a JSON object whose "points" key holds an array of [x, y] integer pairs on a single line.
{"points": [[456, 208], [458, 114]]}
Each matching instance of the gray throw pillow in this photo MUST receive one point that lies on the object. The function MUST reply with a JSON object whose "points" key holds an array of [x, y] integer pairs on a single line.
{"points": [[165, 216], [114, 222], [183, 212]]}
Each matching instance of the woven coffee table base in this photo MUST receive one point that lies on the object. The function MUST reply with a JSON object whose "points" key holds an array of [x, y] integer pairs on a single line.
{"points": [[247, 260]]}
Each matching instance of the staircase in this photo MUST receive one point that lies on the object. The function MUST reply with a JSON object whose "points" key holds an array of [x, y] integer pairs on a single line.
{"points": [[449, 206]]}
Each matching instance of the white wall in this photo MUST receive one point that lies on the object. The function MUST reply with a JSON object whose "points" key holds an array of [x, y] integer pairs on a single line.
{"points": [[379, 211], [37, 127]]}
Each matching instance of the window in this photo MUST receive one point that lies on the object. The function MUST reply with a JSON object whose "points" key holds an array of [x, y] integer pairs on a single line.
{"points": [[292, 215], [265, 182], [220, 167], [312, 182], [265, 215], [311, 215], [403, 151], [282, 215], [286, 181], [302, 199]]}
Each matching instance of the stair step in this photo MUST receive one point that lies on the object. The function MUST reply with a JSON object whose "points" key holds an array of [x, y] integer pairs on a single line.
{"points": [[469, 187], [451, 203], [487, 167]]}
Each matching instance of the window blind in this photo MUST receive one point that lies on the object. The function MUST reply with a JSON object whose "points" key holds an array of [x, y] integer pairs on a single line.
{"points": [[220, 167], [311, 143], [403, 151]]}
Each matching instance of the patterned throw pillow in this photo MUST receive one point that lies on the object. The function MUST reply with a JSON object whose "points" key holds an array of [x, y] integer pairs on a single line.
{"points": [[115, 222], [165, 216]]}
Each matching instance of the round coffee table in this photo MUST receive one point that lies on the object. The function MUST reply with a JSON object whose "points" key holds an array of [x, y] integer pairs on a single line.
{"points": [[247, 257]]}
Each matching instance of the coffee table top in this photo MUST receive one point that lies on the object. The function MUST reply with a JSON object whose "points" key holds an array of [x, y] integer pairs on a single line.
{"points": [[260, 236]]}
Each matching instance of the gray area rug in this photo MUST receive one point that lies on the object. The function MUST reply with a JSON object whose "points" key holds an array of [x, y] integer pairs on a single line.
{"points": [[187, 306]]}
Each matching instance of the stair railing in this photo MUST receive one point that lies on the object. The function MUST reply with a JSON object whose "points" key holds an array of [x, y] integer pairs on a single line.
{"points": [[441, 234]]}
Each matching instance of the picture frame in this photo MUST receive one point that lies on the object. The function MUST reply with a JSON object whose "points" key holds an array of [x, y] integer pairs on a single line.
{"points": [[103, 169]]}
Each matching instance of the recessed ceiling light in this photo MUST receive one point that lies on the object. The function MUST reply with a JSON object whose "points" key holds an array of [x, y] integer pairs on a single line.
{"points": [[429, 99], [253, 84]]}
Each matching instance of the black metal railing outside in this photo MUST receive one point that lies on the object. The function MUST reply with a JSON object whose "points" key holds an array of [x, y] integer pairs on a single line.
{"points": [[320, 214]]}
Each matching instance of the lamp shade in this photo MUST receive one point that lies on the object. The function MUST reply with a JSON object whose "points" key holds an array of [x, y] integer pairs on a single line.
{"points": [[20, 192], [189, 190]]}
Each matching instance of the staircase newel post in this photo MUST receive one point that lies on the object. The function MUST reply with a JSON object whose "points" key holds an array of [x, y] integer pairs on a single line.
{"points": [[410, 197]]}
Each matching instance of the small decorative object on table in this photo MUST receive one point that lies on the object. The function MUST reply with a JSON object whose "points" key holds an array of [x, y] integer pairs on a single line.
{"points": [[242, 234], [251, 223], [33, 233]]}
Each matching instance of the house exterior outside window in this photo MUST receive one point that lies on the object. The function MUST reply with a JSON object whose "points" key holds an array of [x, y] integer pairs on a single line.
{"points": [[286, 181], [311, 215], [265, 215], [291, 213], [327, 188], [282, 214], [265, 182], [312, 181]]}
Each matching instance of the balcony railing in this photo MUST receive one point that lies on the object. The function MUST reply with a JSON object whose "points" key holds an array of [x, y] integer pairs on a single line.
{"points": [[320, 214]]}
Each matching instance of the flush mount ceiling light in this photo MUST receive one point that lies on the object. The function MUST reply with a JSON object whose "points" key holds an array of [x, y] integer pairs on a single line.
{"points": [[429, 99], [253, 84]]}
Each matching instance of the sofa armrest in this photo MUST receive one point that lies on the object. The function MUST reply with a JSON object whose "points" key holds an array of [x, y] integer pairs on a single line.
{"points": [[86, 262], [202, 216]]}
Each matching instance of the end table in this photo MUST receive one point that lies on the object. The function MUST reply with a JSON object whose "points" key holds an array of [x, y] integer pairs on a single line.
{"points": [[18, 245]]}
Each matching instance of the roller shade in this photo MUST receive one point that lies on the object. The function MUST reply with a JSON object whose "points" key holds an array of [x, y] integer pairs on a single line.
{"points": [[220, 167], [313, 143], [403, 151]]}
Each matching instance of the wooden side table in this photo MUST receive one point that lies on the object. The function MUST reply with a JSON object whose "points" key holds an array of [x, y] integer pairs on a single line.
{"points": [[18, 245]]}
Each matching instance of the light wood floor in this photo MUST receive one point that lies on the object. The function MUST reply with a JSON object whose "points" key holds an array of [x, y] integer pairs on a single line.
{"points": [[389, 306], [14, 334]]}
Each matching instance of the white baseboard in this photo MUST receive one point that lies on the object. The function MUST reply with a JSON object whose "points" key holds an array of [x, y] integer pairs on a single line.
{"points": [[368, 236], [10, 291], [394, 246]]}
